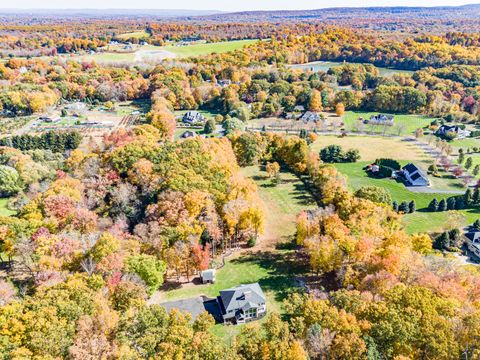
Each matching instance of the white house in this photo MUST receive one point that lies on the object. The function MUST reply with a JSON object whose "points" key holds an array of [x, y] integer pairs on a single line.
{"points": [[193, 117], [473, 242], [457, 130], [415, 176]]}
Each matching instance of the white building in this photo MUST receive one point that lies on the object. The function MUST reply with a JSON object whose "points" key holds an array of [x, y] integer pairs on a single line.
{"points": [[415, 176]]}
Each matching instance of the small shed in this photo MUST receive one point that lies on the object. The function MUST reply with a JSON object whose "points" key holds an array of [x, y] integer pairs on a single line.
{"points": [[208, 276]]}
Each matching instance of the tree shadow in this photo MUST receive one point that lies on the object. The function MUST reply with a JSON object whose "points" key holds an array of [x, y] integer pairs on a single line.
{"points": [[282, 268]]}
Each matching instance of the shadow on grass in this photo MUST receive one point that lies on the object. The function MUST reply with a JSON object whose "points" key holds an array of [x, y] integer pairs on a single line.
{"points": [[282, 268]]}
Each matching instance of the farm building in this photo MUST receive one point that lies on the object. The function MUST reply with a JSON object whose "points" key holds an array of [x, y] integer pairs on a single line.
{"points": [[414, 175], [193, 117], [460, 133], [242, 304]]}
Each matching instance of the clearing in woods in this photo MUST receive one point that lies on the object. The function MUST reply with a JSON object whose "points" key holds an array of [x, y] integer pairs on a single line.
{"points": [[271, 262]]}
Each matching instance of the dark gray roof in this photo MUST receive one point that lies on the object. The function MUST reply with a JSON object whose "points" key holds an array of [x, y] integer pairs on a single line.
{"points": [[242, 297], [411, 168], [473, 235]]}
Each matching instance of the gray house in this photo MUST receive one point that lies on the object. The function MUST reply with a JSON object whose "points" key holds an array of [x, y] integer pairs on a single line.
{"points": [[310, 116], [193, 117], [381, 119], [242, 304]]}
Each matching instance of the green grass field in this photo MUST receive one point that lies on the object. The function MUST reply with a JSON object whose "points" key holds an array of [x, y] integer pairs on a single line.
{"points": [[435, 222], [409, 123], [4, 210], [205, 49], [465, 143]]}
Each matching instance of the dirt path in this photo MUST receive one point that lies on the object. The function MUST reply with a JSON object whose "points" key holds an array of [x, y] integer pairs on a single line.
{"points": [[283, 202]]}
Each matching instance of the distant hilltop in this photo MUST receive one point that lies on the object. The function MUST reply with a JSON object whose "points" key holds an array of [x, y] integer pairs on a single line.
{"points": [[109, 13]]}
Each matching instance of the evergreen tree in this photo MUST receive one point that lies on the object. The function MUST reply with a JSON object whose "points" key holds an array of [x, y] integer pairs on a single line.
{"points": [[468, 163], [404, 207], [412, 207], [468, 197], [395, 206], [461, 158], [451, 203], [433, 206], [442, 205], [455, 236], [476, 170], [476, 196], [476, 224], [442, 242]]}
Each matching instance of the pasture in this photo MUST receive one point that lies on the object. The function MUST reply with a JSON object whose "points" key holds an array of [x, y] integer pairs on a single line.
{"points": [[138, 53], [207, 48], [372, 147]]}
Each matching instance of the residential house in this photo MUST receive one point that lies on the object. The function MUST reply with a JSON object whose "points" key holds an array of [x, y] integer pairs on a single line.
{"points": [[460, 133], [224, 83], [188, 134], [242, 304], [208, 276], [299, 108], [381, 119], [473, 242], [415, 176], [193, 117], [310, 116]]}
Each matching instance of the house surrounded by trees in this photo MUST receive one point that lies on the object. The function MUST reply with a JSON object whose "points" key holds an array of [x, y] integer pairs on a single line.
{"points": [[193, 117], [242, 304]]}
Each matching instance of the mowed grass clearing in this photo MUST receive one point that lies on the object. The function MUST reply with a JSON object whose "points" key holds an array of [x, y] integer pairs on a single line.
{"points": [[373, 147], [409, 123], [4, 210], [271, 262], [205, 49]]}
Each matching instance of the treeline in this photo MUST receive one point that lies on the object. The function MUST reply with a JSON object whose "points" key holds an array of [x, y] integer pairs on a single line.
{"points": [[51, 140]]}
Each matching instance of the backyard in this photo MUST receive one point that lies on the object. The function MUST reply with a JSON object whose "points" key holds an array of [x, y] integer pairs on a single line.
{"points": [[271, 261]]}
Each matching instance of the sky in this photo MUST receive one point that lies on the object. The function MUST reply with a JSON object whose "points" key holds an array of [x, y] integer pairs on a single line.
{"points": [[223, 5]]}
